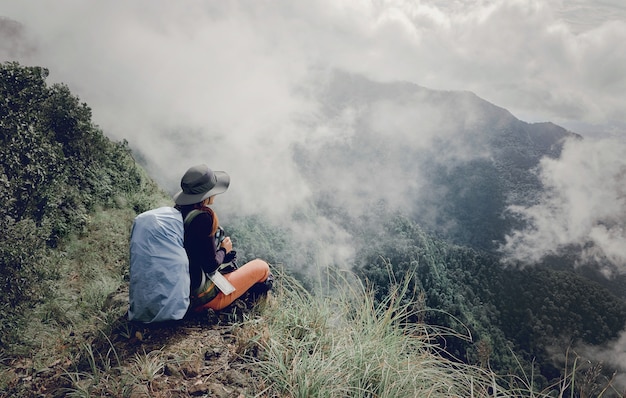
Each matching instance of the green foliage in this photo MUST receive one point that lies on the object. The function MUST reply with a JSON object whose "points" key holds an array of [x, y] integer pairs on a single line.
{"points": [[262, 239], [449, 298], [347, 344], [472, 212], [26, 268], [505, 310], [541, 307], [56, 167]]}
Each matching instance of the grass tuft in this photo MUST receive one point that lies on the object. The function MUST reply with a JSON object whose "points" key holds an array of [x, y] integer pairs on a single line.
{"points": [[344, 343]]}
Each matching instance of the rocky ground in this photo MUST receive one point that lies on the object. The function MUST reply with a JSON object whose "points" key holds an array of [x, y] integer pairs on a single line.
{"points": [[206, 355]]}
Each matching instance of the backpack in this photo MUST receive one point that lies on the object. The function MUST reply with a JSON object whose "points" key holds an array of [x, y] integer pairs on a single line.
{"points": [[159, 267]]}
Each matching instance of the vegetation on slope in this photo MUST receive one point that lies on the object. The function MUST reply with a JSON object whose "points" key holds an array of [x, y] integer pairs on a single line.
{"points": [[516, 317], [70, 196], [56, 169]]}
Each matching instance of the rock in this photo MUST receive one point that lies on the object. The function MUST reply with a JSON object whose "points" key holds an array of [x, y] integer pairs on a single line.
{"points": [[117, 299], [171, 370], [213, 353], [216, 390]]}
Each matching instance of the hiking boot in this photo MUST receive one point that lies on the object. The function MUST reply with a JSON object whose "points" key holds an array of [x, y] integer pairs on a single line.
{"points": [[269, 282], [260, 289]]}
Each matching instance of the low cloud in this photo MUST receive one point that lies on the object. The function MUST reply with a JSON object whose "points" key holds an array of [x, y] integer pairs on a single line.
{"points": [[611, 355], [556, 61], [226, 82], [584, 206]]}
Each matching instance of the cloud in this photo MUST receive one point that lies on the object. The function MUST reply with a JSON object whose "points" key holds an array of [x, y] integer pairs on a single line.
{"points": [[227, 83], [557, 61], [612, 354], [584, 205]]}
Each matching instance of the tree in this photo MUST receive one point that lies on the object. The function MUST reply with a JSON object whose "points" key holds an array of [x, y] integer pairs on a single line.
{"points": [[55, 165]]}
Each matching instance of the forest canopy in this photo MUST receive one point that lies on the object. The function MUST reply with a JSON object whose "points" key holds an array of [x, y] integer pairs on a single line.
{"points": [[57, 168]]}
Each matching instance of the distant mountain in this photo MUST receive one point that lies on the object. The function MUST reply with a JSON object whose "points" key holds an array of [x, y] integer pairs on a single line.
{"points": [[451, 159], [384, 160], [421, 180]]}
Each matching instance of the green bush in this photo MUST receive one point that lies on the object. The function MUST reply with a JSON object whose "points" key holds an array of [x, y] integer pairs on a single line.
{"points": [[56, 168], [26, 268]]}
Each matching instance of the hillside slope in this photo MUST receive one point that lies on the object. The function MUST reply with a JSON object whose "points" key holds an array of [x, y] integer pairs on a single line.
{"points": [[71, 195], [450, 159]]}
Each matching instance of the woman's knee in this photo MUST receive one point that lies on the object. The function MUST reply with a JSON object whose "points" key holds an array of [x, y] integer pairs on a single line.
{"points": [[261, 267]]}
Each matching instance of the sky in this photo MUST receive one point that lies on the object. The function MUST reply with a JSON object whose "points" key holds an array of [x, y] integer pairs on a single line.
{"points": [[561, 61], [225, 82]]}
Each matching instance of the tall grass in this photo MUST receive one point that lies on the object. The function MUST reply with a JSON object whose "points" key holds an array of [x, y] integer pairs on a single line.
{"points": [[335, 342], [344, 344], [92, 265]]}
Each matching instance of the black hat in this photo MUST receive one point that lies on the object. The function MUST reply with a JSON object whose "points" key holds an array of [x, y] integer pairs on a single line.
{"points": [[199, 183]]}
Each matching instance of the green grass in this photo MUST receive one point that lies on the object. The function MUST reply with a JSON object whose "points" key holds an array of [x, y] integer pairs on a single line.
{"points": [[344, 344], [334, 342]]}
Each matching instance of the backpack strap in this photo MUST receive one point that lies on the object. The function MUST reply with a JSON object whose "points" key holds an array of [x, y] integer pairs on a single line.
{"points": [[190, 216], [219, 233]]}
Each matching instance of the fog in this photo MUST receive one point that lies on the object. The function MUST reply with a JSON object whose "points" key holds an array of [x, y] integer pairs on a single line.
{"points": [[236, 85], [584, 205], [611, 355]]}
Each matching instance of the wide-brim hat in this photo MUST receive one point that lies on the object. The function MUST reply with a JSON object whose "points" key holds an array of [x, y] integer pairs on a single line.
{"points": [[199, 183]]}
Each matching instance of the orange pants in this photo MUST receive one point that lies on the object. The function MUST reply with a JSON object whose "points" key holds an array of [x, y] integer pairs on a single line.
{"points": [[242, 279]]}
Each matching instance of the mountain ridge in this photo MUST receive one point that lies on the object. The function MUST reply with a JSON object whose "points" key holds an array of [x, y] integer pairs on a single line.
{"points": [[75, 253], [425, 139]]}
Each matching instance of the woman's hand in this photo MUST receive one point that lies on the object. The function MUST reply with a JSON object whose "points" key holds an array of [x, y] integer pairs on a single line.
{"points": [[227, 244]]}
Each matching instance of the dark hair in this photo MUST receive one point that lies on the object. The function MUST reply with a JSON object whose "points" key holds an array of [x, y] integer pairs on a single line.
{"points": [[185, 209]]}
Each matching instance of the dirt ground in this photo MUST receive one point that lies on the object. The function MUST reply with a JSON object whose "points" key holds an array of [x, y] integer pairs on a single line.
{"points": [[207, 355]]}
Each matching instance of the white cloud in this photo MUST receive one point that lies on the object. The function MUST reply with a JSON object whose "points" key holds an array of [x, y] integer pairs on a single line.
{"points": [[225, 82], [584, 205], [612, 354], [557, 61]]}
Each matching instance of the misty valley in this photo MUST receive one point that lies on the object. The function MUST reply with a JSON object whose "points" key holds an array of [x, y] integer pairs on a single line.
{"points": [[431, 198], [434, 188]]}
